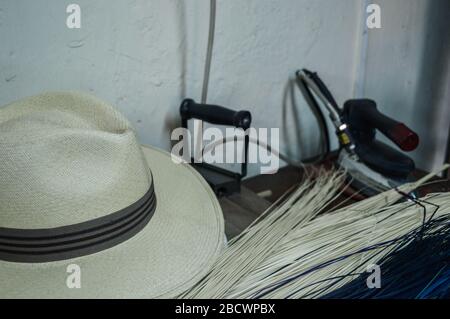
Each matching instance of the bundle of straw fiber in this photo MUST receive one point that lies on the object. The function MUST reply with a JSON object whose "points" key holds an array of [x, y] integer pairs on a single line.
{"points": [[417, 268], [292, 252]]}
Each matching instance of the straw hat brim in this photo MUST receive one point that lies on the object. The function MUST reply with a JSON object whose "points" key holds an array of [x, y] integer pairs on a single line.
{"points": [[172, 253]]}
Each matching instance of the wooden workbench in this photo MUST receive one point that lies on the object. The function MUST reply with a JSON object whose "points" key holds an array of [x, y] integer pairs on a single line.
{"points": [[241, 209]]}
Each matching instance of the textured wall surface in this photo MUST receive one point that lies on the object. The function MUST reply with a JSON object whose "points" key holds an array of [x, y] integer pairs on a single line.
{"points": [[145, 56], [408, 71]]}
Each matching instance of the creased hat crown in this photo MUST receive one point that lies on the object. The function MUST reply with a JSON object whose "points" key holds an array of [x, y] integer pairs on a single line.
{"points": [[66, 158]]}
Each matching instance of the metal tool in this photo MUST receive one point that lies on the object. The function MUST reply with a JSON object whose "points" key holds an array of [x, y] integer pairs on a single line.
{"points": [[223, 182], [373, 165]]}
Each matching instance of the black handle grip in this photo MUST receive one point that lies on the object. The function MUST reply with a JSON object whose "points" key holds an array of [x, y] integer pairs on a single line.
{"points": [[215, 114], [363, 115]]}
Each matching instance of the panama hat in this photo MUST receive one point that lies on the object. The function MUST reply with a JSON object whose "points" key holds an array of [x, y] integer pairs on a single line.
{"points": [[76, 188]]}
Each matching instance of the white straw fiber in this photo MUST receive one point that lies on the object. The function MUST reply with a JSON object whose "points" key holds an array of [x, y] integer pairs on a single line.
{"points": [[271, 259]]}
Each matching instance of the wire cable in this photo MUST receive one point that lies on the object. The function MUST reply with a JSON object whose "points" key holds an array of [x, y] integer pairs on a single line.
{"points": [[323, 89], [309, 97], [207, 70], [211, 146], [209, 52]]}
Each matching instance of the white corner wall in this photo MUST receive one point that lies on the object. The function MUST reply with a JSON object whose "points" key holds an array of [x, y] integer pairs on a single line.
{"points": [[145, 56], [408, 71]]}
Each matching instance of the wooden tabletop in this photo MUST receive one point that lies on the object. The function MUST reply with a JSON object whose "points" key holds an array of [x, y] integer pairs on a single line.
{"points": [[260, 192]]}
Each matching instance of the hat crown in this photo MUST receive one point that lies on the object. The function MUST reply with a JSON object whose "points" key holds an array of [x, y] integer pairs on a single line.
{"points": [[67, 158]]}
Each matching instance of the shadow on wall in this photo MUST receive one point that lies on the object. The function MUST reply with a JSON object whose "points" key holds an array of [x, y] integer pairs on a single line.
{"points": [[431, 103], [301, 146], [291, 110]]}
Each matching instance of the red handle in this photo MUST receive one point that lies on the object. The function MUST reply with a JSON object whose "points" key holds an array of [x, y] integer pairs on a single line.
{"points": [[404, 137]]}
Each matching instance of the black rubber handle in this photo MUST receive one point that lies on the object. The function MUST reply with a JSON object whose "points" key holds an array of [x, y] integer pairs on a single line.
{"points": [[215, 114], [363, 115]]}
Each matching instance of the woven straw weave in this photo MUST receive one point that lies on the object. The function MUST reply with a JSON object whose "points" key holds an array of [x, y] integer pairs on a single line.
{"points": [[68, 158]]}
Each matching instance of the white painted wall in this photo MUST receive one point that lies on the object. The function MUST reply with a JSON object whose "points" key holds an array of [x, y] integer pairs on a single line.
{"points": [[145, 56], [408, 71]]}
